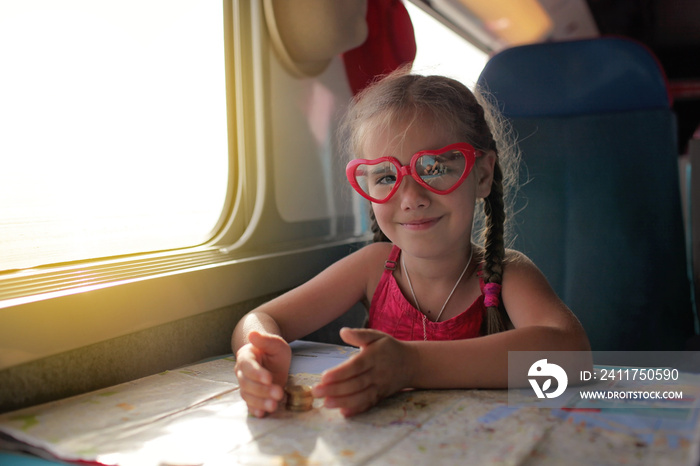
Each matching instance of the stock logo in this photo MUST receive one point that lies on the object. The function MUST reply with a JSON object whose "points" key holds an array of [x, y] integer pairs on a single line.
{"points": [[542, 368]]}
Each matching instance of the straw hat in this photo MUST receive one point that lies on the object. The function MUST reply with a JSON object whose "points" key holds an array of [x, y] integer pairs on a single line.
{"points": [[307, 34]]}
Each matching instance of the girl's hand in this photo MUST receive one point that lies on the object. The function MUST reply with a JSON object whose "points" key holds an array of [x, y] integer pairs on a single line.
{"points": [[262, 368], [380, 369]]}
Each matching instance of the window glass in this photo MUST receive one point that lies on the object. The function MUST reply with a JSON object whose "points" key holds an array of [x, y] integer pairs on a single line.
{"points": [[443, 52], [113, 127]]}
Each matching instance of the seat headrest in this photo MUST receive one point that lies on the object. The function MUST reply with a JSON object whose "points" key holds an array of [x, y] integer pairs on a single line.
{"points": [[590, 76]]}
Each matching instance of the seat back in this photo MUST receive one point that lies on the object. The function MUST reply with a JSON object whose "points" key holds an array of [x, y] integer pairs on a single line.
{"points": [[601, 213]]}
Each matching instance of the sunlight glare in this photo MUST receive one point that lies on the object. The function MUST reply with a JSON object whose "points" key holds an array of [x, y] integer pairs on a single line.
{"points": [[114, 127], [442, 51]]}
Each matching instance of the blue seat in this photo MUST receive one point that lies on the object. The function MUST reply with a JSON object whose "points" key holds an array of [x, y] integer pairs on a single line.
{"points": [[20, 459], [601, 211]]}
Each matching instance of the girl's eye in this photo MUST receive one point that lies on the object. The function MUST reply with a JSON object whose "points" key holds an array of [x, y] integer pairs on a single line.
{"points": [[385, 180], [383, 174]]}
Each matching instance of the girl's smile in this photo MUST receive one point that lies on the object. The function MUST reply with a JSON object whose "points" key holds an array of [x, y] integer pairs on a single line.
{"points": [[421, 224]]}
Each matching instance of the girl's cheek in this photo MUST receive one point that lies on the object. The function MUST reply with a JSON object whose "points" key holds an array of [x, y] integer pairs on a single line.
{"points": [[380, 213]]}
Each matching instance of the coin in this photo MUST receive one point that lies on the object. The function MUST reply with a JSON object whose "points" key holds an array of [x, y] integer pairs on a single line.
{"points": [[299, 397]]}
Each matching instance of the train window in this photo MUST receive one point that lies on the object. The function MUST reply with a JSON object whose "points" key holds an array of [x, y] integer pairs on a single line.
{"points": [[441, 50], [114, 132]]}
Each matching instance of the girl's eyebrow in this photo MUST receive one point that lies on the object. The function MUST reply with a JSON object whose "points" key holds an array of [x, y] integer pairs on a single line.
{"points": [[377, 169]]}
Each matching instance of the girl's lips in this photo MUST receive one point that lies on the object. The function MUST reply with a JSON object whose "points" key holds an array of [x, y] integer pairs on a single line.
{"points": [[422, 224]]}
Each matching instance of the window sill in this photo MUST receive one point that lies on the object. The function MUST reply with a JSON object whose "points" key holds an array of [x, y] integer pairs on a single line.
{"points": [[43, 313]]}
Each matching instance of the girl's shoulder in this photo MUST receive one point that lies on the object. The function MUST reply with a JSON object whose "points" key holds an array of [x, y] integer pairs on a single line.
{"points": [[517, 258], [369, 258], [517, 267], [528, 297], [372, 259], [375, 253], [512, 259], [517, 262]]}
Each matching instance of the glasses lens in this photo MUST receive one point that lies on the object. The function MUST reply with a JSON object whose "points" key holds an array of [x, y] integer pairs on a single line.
{"points": [[441, 171], [376, 180]]}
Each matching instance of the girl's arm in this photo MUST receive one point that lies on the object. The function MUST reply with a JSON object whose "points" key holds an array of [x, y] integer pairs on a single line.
{"points": [[542, 322], [260, 338]]}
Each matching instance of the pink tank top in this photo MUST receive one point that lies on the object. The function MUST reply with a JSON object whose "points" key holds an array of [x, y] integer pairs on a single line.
{"points": [[391, 313]]}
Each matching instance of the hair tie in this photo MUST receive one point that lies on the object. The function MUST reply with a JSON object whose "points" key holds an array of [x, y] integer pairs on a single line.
{"points": [[492, 291]]}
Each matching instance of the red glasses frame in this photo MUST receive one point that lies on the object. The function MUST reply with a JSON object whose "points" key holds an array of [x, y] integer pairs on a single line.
{"points": [[466, 149]]}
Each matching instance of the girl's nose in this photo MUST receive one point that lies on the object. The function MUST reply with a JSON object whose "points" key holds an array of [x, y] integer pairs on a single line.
{"points": [[412, 195]]}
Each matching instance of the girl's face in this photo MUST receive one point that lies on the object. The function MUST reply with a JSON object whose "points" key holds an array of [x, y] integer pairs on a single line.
{"points": [[420, 222]]}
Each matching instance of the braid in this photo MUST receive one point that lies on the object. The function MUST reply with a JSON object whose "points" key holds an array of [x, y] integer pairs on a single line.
{"points": [[494, 252], [379, 235]]}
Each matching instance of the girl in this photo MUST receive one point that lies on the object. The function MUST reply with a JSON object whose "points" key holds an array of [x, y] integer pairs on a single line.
{"points": [[444, 312]]}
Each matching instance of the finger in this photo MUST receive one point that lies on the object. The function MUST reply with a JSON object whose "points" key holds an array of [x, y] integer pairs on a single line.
{"points": [[259, 406], [257, 412], [260, 397], [267, 343], [344, 388], [249, 368], [349, 412], [360, 337], [265, 353], [271, 391], [355, 403], [353, 367], [359, 363]]}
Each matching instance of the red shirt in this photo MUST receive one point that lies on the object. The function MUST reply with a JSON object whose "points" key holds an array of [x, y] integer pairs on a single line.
{"points": [[392, 313]]}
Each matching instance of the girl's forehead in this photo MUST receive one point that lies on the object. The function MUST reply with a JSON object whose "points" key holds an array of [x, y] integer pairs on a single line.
{"points": [[404, 138]]}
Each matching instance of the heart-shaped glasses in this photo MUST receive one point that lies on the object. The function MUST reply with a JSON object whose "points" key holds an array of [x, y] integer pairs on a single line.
{"points": [[440, 171]]}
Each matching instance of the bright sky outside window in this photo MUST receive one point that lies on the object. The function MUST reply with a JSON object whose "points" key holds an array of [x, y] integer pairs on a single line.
{"points": [[113, 134], [441, 51]]}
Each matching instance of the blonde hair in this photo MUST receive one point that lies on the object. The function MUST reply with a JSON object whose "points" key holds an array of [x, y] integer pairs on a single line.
{"points": [[471, 116]]}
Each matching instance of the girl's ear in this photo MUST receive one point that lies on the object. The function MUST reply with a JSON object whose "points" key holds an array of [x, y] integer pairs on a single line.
{"points": [[484, 173]]}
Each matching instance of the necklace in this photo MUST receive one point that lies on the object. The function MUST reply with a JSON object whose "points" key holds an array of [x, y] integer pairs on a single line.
{"points": [[413, 293]]}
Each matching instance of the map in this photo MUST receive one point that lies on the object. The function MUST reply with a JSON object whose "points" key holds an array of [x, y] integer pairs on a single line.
{"points": [[195, 416]]}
